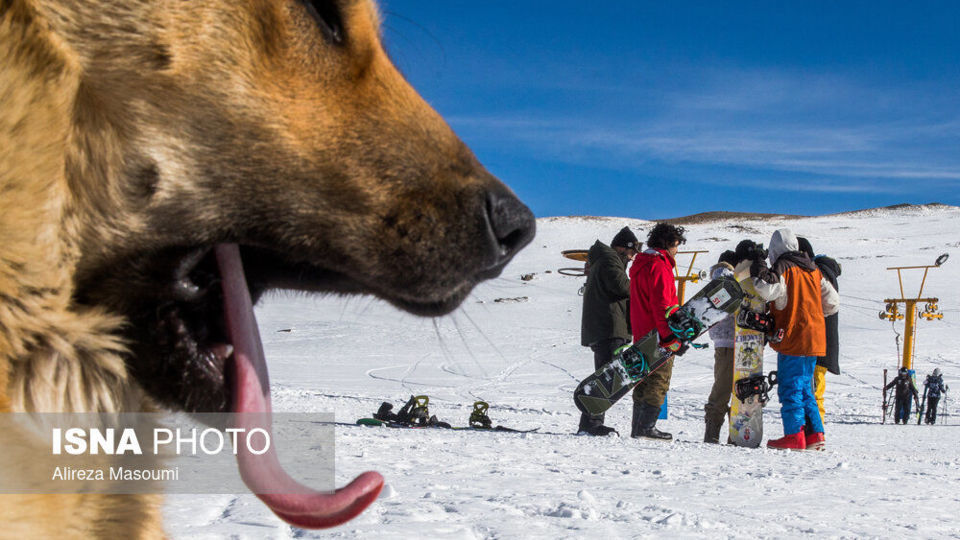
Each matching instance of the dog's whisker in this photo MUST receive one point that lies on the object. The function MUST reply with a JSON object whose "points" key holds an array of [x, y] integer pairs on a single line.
{"points": [[484, 335], [466, 345], [418, 26], [447, 353]]}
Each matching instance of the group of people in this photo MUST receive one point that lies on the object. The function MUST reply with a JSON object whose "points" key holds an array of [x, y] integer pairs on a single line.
{"points": [[618, 309], [800, 288], [804, 306], [933, 390]]}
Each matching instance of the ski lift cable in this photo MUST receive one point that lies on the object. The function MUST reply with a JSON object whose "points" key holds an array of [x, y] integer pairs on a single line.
{"points": [[893, 324], [871, 300]]}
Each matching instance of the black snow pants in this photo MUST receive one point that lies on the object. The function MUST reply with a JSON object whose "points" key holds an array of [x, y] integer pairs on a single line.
{"points": [[932, 404], [903, 410]]}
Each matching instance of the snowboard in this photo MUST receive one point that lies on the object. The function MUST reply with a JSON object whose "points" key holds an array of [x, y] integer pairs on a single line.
{"points": [[373, 422], [717, 300], [746, 417]]}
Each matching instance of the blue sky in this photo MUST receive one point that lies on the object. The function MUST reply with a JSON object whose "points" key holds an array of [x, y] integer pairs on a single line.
{"points": [[661, 109]]}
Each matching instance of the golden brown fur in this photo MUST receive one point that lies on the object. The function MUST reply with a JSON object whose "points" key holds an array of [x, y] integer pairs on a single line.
{"points": [[133, 131]]}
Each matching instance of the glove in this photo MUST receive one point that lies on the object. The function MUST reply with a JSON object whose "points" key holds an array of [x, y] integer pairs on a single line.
{"points": [[757, 267], [673, 344], [759, 270]]}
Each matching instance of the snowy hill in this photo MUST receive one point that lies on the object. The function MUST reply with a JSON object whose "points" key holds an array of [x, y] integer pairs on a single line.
{"points": [[523, 355]]}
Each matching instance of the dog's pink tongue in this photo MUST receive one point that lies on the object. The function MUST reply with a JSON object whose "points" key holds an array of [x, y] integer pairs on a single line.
{"points": [[291, 501]]}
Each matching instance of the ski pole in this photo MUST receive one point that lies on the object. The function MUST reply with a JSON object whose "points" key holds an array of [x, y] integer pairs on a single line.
{"points": [[883, 408], [921, 405], [946, 411]]}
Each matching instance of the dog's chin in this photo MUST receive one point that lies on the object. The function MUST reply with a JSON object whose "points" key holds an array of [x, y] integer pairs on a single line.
{"points": [[433, 309], [445, 305], [180, 349]]}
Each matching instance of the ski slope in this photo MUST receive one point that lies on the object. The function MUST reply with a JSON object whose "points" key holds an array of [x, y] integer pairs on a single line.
{"points": [[516, 344]]}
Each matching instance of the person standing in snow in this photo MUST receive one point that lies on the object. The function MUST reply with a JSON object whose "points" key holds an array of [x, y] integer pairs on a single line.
{"points": [[652, 291], [722, 334], [800, 298], [605, 323], [830, 269], [934, 387], [905, 389]]}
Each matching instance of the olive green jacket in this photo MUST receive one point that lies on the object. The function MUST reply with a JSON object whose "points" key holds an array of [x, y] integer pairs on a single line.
{"points": [[605, 312]]}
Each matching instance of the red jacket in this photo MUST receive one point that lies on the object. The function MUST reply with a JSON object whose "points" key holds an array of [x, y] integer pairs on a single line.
{"points": [[652, 291]]}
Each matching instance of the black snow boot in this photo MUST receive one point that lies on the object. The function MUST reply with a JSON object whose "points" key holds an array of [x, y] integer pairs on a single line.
{"points": [[599, 431], [712, 432], [644, 420], [593, 425]]}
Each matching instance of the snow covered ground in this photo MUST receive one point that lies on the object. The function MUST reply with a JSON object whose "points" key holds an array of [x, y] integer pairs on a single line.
{"points": [[516, 344]]}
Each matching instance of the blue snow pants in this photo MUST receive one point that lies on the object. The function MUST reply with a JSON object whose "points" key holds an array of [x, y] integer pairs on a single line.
{"points": [[795, 390]]}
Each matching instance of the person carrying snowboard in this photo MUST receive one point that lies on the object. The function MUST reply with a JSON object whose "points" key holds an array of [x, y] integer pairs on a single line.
{"points": [[722, 335], [933, 388], [652, 292], [799, 299], [905, 389], [830, 269], [605, 323]]}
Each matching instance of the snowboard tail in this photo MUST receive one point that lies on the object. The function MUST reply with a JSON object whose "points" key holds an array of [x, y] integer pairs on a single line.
{"points": [[631, 364]]}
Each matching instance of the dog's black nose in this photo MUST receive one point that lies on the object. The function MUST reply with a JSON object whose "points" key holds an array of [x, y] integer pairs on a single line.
{"points": [[511, 223]]}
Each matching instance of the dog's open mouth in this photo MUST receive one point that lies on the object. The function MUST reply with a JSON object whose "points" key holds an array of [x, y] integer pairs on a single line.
{"points": [[183, 348], [215, 362]]}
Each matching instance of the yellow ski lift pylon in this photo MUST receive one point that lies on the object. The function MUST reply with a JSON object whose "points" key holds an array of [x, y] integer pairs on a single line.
{"points": [[931, 310], [689, 275]]}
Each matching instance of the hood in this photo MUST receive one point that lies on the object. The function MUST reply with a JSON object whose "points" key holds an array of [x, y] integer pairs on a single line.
{"points": [[651, 254], [717, 269], [833, 265], [782, 241], [599, 250]]}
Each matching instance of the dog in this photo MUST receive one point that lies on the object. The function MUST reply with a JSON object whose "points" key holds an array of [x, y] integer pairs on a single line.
{"points": [[162, 165]]}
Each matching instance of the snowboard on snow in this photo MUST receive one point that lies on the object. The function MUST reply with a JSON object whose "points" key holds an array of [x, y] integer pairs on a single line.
{"points": [[415, 414], [632, 363], [746, 417]]}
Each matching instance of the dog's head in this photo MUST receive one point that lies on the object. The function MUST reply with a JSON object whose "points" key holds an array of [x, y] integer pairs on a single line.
{"points": [[279, 126]]}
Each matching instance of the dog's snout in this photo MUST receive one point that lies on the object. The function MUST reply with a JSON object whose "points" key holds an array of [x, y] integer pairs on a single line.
{"points": [[511, 224]]}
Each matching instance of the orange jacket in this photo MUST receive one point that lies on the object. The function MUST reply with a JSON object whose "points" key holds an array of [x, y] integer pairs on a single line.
{"points": [[802, 322]]}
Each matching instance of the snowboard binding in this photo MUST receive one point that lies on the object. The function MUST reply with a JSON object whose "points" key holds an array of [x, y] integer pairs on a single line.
{"points": [[682, 324], [413, 413], [479, 418], [758, 385], [752, 320], [760, 322], [633, 362]]}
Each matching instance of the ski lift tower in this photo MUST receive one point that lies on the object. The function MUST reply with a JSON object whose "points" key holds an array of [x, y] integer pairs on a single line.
{"points": [[689, 275], [931, 310]]}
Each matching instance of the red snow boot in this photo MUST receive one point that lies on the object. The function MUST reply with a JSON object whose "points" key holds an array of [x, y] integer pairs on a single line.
{"points": [[789, 442], [815, 441]]}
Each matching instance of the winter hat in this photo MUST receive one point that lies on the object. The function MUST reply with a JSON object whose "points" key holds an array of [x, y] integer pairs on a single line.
{"points": [[936, 372], [729, 257], [626, 238], [805, 247], [749, 250]]}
